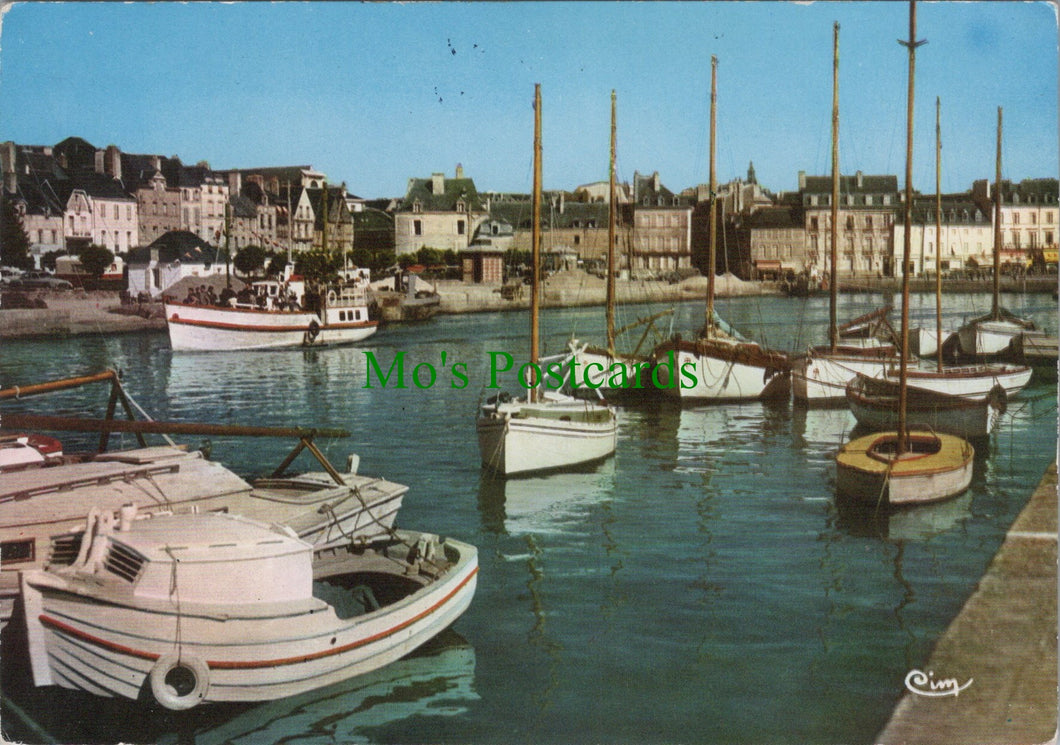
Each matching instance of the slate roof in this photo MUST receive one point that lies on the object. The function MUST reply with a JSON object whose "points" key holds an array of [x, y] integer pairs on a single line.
{"points": [[336, 204], [96, 185], [40, 197], [454, 190], [176, 245], [646, 195], [243, 206], [957, 209], [849, 185], [774, 218]]}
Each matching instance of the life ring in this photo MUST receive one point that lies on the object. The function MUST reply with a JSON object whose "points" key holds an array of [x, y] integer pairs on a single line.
{"points": [[332, 297], [312, 332], [179, 681]]}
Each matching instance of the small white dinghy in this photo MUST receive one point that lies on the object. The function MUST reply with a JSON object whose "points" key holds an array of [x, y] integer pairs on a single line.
{"points": [[214, 607]]}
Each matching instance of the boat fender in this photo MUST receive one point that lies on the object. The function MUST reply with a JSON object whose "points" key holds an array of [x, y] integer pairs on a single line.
{"points": [[179, 681], [998, 397], [312, 332]]}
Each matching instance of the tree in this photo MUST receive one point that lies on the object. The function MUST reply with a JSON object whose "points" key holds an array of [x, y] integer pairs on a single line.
{"points": [[249, 260], [14, 241], [317, 266], [95, 259], [47, 261]]}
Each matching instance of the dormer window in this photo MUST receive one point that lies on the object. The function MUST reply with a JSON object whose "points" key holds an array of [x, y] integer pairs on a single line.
{"points": [[461, 206], [417, 206]]}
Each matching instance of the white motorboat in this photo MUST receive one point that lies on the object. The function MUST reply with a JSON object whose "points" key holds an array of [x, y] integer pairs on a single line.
{"points": [[874, 403], [217, 607], [325, 507], [719, 365], [548, 429], [336, 315]]}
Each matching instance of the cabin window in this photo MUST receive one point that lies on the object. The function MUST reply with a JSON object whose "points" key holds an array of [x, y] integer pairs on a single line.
{"points": [[17, 552]]}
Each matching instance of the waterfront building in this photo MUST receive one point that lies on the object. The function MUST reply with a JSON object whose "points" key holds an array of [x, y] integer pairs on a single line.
{"points": [[662, 228], [572, 229], [867, 206], [965, 241], [159, 205], [29, 175], [771, 243], [1029, 215], [339, 217], [156, 267], [438, 213]]}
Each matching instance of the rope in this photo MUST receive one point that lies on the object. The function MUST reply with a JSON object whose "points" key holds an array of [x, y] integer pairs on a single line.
{"points": [[175, 593]]}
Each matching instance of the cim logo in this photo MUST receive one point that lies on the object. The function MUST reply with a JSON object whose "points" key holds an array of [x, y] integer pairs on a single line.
{"points": [[925, 684]]}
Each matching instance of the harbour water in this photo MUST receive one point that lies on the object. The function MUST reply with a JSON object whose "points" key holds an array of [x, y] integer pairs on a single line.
{"points": [[701, 587]]}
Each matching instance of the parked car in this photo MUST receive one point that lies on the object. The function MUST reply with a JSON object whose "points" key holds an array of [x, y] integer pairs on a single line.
{"points": [[9, 274], [41, 280]]}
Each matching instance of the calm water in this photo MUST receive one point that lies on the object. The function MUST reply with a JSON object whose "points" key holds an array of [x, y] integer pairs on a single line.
{"points": [[700, 587]]}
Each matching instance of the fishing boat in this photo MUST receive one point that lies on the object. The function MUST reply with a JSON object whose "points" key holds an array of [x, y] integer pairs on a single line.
{"points": [[277, 314], [549, 429], [719, 365], [217, 607], [616, 375], [990, 335], [904, 466], [874, 403], [862, 346], [324, 507]]}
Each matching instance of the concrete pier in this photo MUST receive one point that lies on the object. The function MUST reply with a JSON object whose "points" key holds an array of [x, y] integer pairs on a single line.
{"points": [[1004, 641]]}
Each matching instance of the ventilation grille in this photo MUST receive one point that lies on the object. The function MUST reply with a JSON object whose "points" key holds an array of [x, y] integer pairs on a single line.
{"points": [[64, 549], [123, 562]]}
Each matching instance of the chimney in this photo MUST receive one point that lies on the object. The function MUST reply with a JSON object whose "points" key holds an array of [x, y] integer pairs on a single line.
{"points": [[561, 202], [802, 180], [437, 183], [860, 178], [156, 162], [112, 162], [10, 175], [459, 170], [655, 181], [235, 182], [99, 166]]}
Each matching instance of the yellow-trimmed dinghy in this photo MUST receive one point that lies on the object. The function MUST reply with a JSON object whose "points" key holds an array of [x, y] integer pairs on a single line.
{"points": [[934, 467]]}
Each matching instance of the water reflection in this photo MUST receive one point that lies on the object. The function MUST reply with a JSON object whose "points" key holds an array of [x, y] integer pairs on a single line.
{"points": [[912, 524], [437, 680]]}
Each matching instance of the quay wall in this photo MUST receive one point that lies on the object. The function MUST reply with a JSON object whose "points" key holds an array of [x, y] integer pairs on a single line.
{"points": [[64, 313]]}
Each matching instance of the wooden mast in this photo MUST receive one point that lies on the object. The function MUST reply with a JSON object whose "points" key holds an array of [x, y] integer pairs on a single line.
{"points": [[995, 307], [938, 235], [535, 239], [833, 282], [611, 240], [907, 242], [713, 243]]}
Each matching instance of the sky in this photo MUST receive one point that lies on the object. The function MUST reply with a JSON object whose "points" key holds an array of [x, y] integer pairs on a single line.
{"points": [[374, 94]]}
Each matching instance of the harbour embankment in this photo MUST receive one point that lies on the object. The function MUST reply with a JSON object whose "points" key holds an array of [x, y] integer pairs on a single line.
{"points": [[992, 676], [66, 313]]}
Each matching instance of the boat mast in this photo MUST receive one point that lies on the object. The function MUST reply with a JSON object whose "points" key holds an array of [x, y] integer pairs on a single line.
{"points": [[907, 242], [228, 254], [713, 243], [611, 240], [995, 309], [833, 283], [290, 225], [938, 235], [535, 240]]}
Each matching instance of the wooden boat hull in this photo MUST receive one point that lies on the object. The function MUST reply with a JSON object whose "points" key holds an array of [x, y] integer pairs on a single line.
{"points": [[597, 369], [516, 441], [205, 328], [720, 370], [864, 472], [820, 377], [970, 381], [988, 338], [874, 404], [119, 651]]}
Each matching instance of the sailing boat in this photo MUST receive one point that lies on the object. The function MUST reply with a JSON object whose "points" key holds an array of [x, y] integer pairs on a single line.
{"points": [[615, 375], [991, 335], [549, 430], [820, 376], [720, 365], [903, 467], [972, 381]]}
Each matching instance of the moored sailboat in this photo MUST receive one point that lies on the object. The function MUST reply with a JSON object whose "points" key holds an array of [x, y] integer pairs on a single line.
{"points": [[719, 366], [819, 377], [548, 430], [904, 467]]}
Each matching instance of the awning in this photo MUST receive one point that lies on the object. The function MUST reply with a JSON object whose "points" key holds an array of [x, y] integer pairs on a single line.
{"points": [[767, 265]]}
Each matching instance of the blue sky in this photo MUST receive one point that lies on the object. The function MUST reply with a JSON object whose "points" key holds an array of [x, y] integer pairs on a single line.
{"points": [[376, 93]]}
